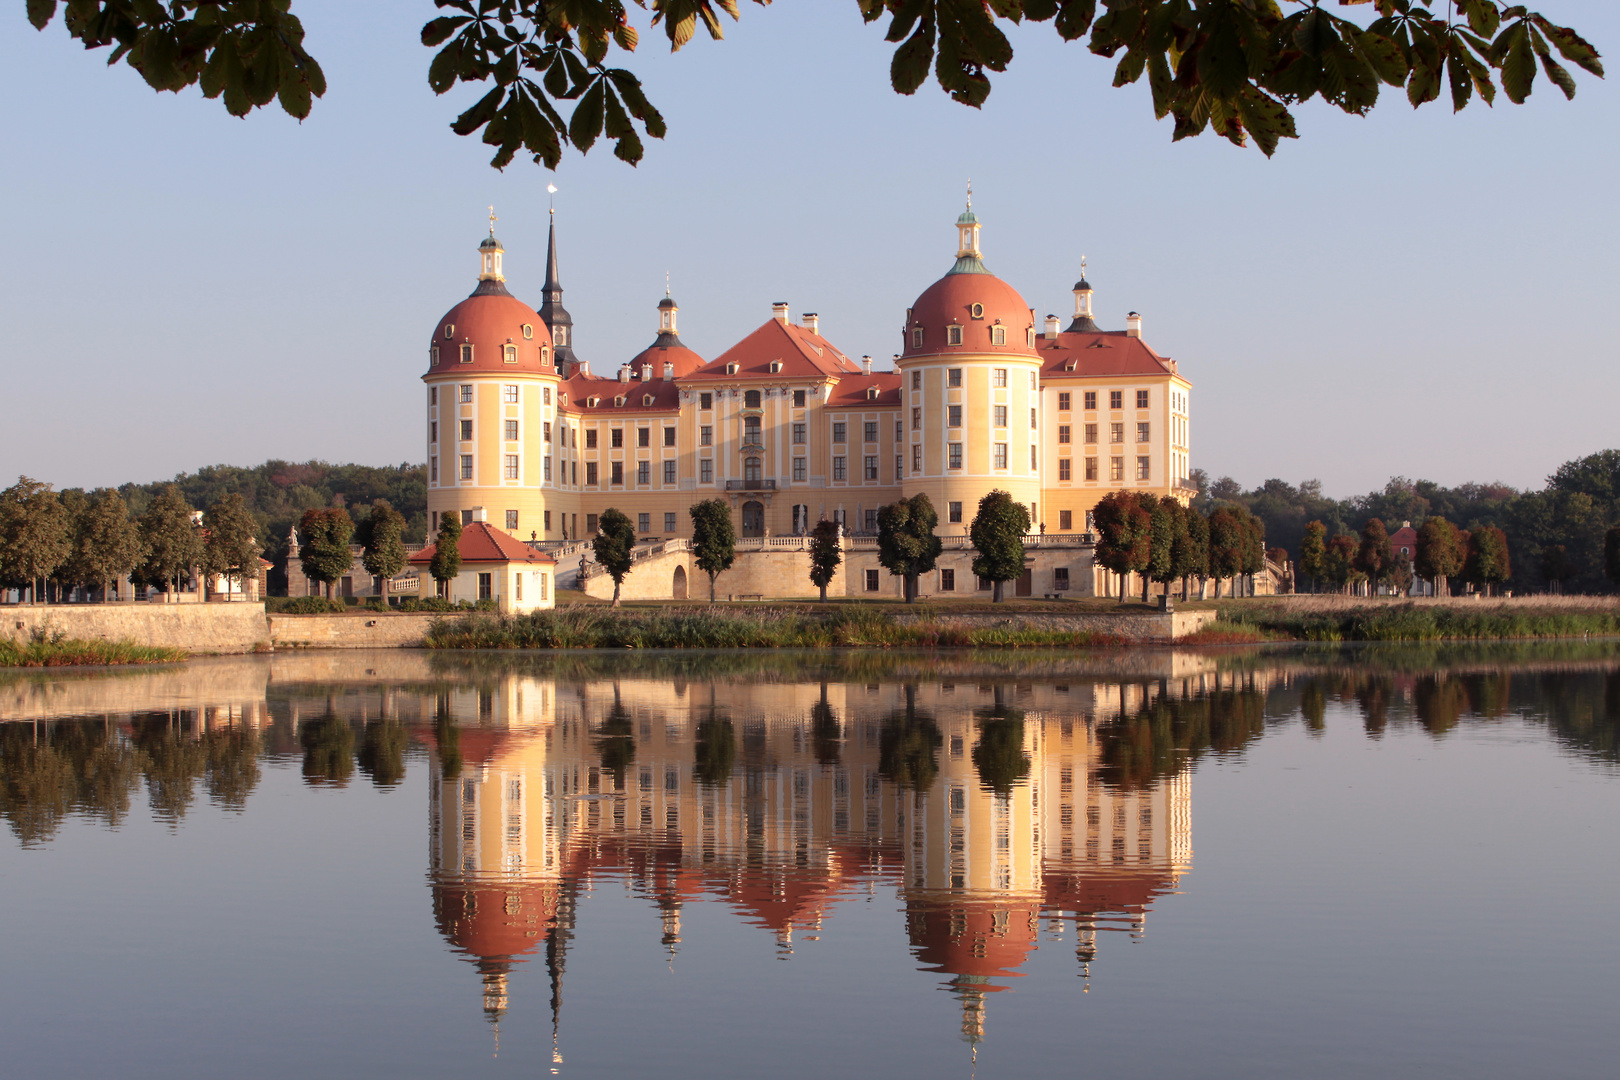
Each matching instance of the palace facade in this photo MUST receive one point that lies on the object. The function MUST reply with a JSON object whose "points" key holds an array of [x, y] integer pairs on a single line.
{"points": [[786, 426]]}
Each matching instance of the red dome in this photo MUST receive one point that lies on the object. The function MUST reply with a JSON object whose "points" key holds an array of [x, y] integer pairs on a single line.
{"points": [[951, 301], [489, 320], [685, 360]]}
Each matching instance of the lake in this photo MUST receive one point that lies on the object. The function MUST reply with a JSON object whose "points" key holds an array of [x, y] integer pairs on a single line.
{"points": [[1256, 862]]}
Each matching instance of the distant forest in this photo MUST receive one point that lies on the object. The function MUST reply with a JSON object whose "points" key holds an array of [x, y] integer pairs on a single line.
{"points": [[1580, 501]]}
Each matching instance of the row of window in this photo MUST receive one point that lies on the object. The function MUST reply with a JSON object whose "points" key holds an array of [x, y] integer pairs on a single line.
{"points": [[955, 334], [509, 353], [509, 394], [947, 580], [1116, 400], [1116, 433], [751, 399], [1116, 468]]}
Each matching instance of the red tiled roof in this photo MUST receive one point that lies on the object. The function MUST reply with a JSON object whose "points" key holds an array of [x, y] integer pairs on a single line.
{"points": [[685, 360], [581, 388], [489, 322], [1109, 353], [803, 355], [852, 391], [949, 302], [483, 543]]}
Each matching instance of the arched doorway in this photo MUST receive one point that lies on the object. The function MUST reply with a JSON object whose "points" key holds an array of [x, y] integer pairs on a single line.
{"points": [[753, 519], [677, 588]]}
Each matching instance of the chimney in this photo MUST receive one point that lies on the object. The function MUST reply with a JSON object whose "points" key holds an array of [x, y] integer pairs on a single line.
{"points": [[478, 514], [812, 322], [1052, 322], [624, 372], [646, 373], [669, 369], [582, 368], [779, 312], [866, 364], [1133, 325]]}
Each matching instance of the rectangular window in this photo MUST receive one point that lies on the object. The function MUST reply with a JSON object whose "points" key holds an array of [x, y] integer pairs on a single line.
{"points": [[466, 466], [998, 335], [643, 436], [955, 455], [1060, 577], [433, 468], [669, 523], [590, 438], [799, 434], [706, 471], [1032, 419], [1091, 399], [998, 376], [705, 401], [838, 432], [899, 468], [433, 395], [509, 393], [800, 470], [1141, 399], [1000, 459], [1091, 468], [433, 432], [1032, 463], [953, 513], [953, 376], [466, 354], [590, 472], [643, 472], [839, 468], [643, 523], [511, 520], [983, 584], [871, 523], [1063, 434], [1065, 469], [1116, 433], [916, 418], [1000, 416], [616, 438], [953, 335], [545, 580], [547, 516], [871, 581], [1063, 402], [1142, 432], [669, 472], [511, 466], [953, 415], [798, 399], [916, 337], [870, 431], [669, 436], [916, 380], [486, 586], [1116, 468], [466, 393], [870, 467], [511, 431], [947, 581], [916, 458], [617, 468], [590, 523], [1144, 467], [466, 431], [1065, 520], [545, 395], [1116, 399], [1091, 434], [706, 435]]}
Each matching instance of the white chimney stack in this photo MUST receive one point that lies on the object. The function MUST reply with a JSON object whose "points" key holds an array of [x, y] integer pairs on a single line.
{"points": [[646, 373], [812, 322], [1052, 324], [779, 311], [866, 364], [478, 514], [1133, 325], [669, 369], [624, 372]]}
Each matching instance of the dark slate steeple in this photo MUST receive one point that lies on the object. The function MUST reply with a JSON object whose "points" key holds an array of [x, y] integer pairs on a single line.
{"points": [[558, 321]]}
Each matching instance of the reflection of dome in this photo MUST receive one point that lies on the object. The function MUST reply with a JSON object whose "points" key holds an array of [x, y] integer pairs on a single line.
{"points": [[980, 938], [494, 921]]}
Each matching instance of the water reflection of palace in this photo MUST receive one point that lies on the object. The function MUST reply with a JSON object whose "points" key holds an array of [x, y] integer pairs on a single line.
{"points": [[980, 803]]}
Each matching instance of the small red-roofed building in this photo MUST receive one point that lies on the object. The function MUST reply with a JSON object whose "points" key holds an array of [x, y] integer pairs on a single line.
{"points": [[495, 566]]}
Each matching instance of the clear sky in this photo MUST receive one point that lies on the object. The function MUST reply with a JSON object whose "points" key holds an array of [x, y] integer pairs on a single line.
{"points": [[1412, 293]]}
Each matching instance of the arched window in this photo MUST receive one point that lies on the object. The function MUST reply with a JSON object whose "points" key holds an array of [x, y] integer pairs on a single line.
{"points": [[751, 399]]}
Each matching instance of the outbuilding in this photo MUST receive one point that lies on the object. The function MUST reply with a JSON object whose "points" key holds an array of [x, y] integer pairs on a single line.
{"points": [[496, 566]]}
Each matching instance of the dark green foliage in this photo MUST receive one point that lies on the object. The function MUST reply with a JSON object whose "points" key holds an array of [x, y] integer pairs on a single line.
{"points": [[907, 546], [306, 605], [1488, 565], [714, 539], [999, 756], [61, 651], [381, 535], [908, 746], [382, 752], [1611, 554], [614, 539], [1440, 553], [172, 543], [229, 547], [1165, 521], [445, 563], [36, 533], [826, 734], [1228, 543], [826, 553], [715, 751], [1373, 554], [1339, 563], [231, 765], [1197, 540], [328, 750], [1124, 534], [106, 543], [447, 737], [1313, 552], [615, 742], [323, 539], [1426, 622], [997, 534]]}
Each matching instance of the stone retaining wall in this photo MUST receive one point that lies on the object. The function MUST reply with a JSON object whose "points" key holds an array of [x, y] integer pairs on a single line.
{"points": [[201, 628], [1145, 627], [378, 631]]}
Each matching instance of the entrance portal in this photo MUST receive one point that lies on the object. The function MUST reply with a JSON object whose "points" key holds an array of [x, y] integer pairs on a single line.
{"points": [[677, 588], [753, 519], [1024, 585]]}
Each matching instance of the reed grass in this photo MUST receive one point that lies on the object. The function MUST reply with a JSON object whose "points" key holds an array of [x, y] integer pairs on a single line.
{"points": [[68, 652], [1343, 618]]}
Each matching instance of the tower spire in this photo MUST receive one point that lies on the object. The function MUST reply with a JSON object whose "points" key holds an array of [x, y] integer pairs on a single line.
{"points": [[969, 260], [1083, 322], [551, 309]]}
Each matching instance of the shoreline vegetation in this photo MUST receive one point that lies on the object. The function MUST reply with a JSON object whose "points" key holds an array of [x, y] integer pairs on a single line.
{"points": [[70, 652], [1304, 617]]}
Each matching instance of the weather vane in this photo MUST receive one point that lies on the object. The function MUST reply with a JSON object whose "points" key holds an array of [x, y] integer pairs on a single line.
{"points": [[551, 189], [492, 220], [666, 284], [1082, 268], [970, 193]]}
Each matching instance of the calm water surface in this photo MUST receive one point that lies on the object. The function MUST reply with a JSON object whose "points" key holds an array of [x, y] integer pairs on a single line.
{"points": [[1393, 862]]}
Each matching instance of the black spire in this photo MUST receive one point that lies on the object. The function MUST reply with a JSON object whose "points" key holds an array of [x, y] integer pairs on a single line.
{"points": [[557, 318]]}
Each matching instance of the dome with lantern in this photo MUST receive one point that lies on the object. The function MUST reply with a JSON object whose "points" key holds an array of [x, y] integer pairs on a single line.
{"points": [[969, 310], [491, 331]]}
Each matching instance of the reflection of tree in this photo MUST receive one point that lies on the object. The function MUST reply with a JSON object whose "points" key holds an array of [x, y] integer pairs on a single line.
{"points": [[174, 761], [615, 741], [382, 752], [1313, 707], [999, 754], [232, 758], [826, 733], [1439, 702], [69, 766], [1168, 734], [328, 750], [906, 746], [448, 739], [716, 750], [1373, 696]]}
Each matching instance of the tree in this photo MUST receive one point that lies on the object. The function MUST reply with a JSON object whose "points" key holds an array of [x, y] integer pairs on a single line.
{"points": [[1231, 68], [997, 534], [1228, 539], [1488, 563], [1611, 554], [1373, 555], [1312, 552], [826, 553], [614, 539], [170, 539], [382, 543], [1168, 523], [1124, 528], [446, 561], [230, 549], [1555, 566], [1197, 550], [325, 553], [714, 539], [68, 574], [1339, 564], [106, 541], [907, 546], [1440, 553], [34, 533]]}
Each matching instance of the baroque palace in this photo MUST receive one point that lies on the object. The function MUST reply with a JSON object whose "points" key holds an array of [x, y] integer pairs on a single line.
{"points": [[523, 435]]}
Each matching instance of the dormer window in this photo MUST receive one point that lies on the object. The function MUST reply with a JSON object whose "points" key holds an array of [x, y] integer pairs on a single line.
{"points": [[776, 367], [466, 354], [953, 335], [1029, 334], [618, 402], [647, 399], [593, 402], [998, 335], [732, 369], [562, 399], [916, 337], [510, 354], [545, 356], [871, 393], [433, 356], [528, 331], [449, 331], [977, 311]]}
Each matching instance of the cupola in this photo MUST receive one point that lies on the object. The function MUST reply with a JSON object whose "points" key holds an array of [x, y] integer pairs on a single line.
{"points": [[1083, 322], [968, 257]]}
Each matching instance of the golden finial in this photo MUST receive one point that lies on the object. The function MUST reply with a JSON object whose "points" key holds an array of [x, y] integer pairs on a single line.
{"points": [[1082, 268], [970, 193], [551, 190], [492, 220]]}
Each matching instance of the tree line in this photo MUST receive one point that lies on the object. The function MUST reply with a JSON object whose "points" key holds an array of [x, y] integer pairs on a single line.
{"points": [[1164, 542], [1562, 537], [1444, 554]]}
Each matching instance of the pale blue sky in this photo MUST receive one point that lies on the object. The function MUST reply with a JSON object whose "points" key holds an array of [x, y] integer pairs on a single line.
{"points": [[1413, 293]]}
